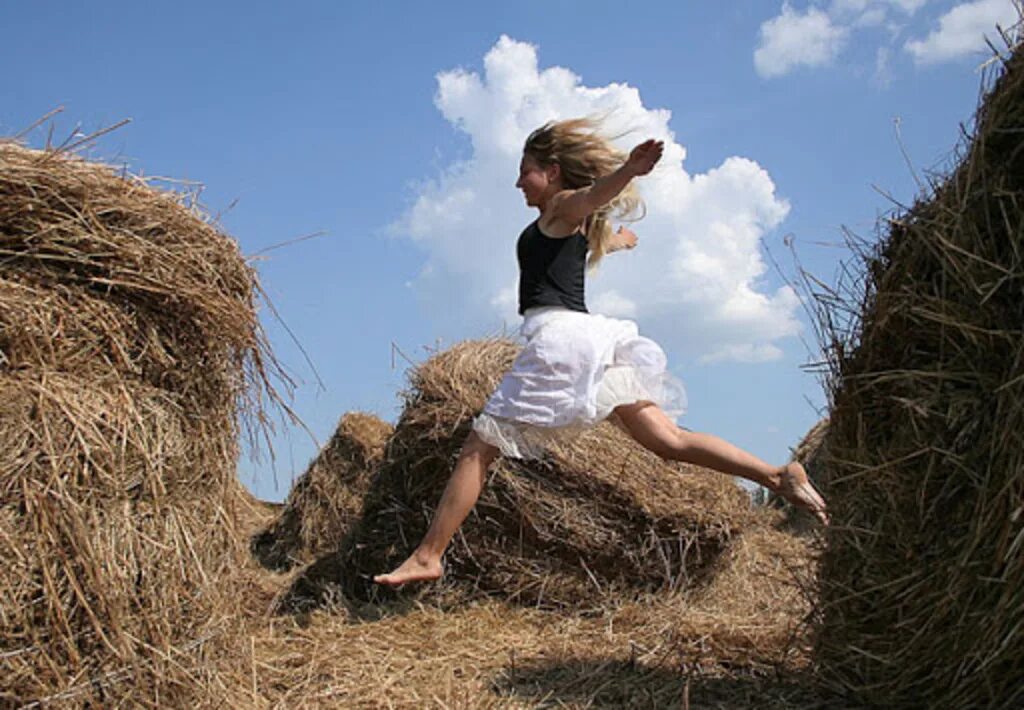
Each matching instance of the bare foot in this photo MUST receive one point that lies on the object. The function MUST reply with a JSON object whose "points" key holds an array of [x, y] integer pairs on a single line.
{"points": [[796, 488], [414, 569]]}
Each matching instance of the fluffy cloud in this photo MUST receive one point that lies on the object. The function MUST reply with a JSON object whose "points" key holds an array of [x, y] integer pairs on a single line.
{"points": [[857, 7], [695, 280], [963, 29], [858, 14], [793, 39], [818, 35]]}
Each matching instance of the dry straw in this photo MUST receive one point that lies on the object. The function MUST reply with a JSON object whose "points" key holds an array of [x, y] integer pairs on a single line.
{"points": [[736, 642], [327, 499], [130, 354], [923, 580]]}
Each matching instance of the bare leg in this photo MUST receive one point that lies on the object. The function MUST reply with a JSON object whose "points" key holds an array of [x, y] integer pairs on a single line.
{"points": [[459, 497], [652, 428]]}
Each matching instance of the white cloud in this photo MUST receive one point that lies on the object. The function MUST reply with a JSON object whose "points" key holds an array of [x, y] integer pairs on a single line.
{"points": [[743, 353], [962, 31], [614, 304], [859, 7], [793, 39], [694, 280], [818, 35], [909, 6]]}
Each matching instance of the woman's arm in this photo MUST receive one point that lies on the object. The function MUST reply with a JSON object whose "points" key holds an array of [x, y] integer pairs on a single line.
{"points": [[571, 207]]}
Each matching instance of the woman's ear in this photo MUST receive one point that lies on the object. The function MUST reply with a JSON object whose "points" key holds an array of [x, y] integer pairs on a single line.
{"points": [[554, 171]]}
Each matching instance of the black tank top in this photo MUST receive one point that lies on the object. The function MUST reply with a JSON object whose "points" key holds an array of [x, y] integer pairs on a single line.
{"points": [[551, 270]]}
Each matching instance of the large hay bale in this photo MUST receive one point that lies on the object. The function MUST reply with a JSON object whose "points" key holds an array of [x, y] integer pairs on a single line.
{"points": [[923, 580], [327, 499], [128, 346], [599, 517]]}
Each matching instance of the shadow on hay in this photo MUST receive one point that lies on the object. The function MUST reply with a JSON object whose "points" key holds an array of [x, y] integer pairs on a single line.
{"points": [[618, 683]]}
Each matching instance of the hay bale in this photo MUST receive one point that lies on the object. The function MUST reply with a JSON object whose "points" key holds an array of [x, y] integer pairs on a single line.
{"points": [[599, 517], [923, 580], [130, 354], [327, 499]]}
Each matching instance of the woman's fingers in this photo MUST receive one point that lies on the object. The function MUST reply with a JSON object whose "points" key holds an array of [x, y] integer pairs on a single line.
{"points": [[646, 155]]}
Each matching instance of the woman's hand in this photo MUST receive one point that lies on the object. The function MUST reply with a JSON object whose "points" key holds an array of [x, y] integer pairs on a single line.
{"points": [[642, 159], [622, 239], [570, 207]]}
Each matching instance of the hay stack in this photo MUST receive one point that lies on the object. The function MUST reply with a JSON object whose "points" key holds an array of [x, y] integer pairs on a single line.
{"points": [[328, 497], [601, 516], [923, 581], [128, 342]]}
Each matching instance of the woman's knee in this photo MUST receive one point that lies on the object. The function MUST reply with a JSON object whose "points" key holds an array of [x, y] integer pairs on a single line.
{"points": [[474, 445]]}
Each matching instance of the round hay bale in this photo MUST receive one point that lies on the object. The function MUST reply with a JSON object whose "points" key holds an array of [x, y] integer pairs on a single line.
{"points": [[598, 518], [923, 579], [327, 499], [130, 354]]}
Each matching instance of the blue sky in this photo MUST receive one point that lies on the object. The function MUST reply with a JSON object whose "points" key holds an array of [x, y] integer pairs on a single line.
{"points": [[394, 127]]}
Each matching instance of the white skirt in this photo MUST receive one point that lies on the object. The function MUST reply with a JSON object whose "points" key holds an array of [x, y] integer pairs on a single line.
{"points": [[573, 371]]}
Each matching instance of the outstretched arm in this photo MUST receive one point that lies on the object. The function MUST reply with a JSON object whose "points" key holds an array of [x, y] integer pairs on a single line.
{"points": [[573, 206], [622, 239]]}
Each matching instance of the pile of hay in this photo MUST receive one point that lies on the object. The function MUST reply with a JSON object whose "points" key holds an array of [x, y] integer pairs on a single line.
{"points": [[599, 518], [130, 354], [327, 499], [923, 580], [738, 641]]}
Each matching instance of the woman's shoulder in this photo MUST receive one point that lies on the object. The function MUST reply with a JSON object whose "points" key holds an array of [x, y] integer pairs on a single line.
{"points": [[557, 229]]}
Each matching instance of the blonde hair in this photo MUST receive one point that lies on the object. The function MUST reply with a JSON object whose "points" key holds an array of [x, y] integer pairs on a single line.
{"points": [[584, 155]]}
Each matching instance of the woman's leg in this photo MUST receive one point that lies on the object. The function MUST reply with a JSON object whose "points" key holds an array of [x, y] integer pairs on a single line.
{"points": [[652, 428], [459, 497]]}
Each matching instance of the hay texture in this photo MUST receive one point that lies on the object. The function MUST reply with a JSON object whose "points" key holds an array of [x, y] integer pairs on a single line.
{"points": [[739, 641], [923, 580], [599, 517], [327, 499], [129, 348]]}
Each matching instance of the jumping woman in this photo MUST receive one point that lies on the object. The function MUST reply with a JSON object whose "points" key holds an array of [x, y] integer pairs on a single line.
{"points": [[578, 368]]}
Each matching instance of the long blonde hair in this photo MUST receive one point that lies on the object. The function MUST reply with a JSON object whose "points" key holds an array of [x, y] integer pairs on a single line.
{"points": [[584, 155]]}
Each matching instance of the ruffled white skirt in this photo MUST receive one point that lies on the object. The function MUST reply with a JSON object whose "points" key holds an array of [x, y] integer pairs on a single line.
{"points": [[573, 371]]}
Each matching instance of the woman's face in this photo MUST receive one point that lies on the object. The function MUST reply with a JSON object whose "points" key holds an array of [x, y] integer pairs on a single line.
{"points": [[536, 182]]}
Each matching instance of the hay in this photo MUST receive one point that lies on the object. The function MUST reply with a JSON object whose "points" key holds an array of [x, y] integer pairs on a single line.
{"points": [[599, 518], [130, 355], [923, 581], [327, 499], [738, 641]]}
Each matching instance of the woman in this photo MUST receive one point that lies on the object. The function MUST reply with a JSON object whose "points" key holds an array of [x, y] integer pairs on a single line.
{"points": [[578, 368]]}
